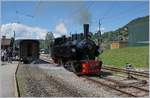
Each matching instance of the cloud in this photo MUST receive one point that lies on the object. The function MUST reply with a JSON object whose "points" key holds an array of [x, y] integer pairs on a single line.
{"points": [[23, 31], [60, 30]]}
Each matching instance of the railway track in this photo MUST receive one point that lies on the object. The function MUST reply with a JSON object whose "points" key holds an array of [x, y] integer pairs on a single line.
{"points": [[120, 84], [128, 90], [132, 72]]}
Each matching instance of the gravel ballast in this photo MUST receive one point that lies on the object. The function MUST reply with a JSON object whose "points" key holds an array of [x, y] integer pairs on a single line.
{"points": [[48, 80], [34, 82]]}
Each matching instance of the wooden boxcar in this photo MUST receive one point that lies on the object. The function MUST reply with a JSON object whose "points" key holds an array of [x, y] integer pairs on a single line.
{"points": [[29, 50]]}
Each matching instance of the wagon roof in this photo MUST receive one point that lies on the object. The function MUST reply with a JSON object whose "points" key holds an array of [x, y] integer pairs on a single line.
{"points": [[26, 40]]}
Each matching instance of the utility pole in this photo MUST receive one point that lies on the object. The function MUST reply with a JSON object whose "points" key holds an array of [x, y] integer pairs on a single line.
{"points": [[70, 34], [100, 38], [13, 41], [14, 35], [99, 35]]}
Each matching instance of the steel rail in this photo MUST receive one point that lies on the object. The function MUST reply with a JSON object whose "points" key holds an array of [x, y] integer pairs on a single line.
{"points": [[110, 86], [120, 83], [125, 71], [17, 83]]}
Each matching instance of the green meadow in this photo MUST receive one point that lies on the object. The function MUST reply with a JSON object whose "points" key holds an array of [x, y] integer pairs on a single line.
{"points": [[137, 56]]}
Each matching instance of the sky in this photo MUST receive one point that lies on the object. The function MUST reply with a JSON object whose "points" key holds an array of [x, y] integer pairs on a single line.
{"points": [[33, 19]]}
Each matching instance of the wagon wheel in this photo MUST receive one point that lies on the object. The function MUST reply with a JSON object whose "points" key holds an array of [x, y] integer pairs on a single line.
{"points": [[60, 63]]}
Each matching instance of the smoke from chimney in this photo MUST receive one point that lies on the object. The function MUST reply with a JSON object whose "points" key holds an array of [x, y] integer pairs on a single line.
{"points": [[82, 15]]}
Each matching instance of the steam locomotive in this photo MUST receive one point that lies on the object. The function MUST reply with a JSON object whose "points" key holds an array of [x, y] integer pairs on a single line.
{"points": [[77, 53]]}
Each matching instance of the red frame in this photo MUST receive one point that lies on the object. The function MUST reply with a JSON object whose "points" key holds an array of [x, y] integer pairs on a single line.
{"points": [[88, 64]]}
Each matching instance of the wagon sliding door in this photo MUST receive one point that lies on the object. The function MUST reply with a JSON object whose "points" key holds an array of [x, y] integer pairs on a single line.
{"points": [[35, 50]]}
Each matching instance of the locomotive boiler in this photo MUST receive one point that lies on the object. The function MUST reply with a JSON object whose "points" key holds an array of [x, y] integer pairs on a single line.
{"points": [[77, 53]]}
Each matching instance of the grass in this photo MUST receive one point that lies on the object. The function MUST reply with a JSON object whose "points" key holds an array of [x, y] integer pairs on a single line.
{"points": [[137, 56]]}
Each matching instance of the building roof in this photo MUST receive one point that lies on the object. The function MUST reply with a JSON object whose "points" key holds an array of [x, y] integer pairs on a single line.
{"points": [[123, 41]]}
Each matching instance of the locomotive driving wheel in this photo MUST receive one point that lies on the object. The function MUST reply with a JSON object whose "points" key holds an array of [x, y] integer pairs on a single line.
{"points": [[70, 66]]}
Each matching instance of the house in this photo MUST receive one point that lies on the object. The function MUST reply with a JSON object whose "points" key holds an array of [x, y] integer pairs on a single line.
{"points": [[118, 44], [5, 42]]}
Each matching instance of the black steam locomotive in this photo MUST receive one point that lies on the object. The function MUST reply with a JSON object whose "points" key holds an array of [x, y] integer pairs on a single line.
{"points": [[77, 53]]}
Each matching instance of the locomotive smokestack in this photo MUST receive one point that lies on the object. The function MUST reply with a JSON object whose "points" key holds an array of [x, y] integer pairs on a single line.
{"points": [[86, 30]]}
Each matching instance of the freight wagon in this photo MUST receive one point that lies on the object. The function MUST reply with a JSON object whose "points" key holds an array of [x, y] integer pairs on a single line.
{"points": [[28, 50]]}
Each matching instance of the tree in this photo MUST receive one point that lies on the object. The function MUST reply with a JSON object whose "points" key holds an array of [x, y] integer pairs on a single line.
{"points": [[49, 39], [42, 44]]}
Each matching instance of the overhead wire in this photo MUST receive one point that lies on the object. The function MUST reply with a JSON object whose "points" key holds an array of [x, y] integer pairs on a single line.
{"points": [[107, 12], [23, 14], [109, 16], [118, 20], [121, 14], [129, 10], [103, 19], [37, 8]]}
